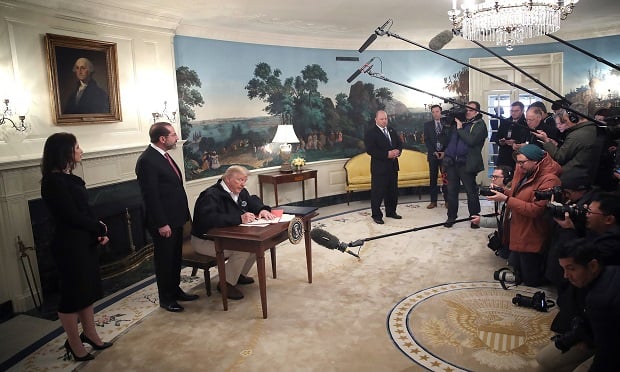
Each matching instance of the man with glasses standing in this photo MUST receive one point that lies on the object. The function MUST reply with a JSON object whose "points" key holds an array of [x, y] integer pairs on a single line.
{"points": [[463, 161], [166, 210], [525, 220]]}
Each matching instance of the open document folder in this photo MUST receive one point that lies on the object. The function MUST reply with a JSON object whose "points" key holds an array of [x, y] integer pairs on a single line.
{"points": [[263, 222]]}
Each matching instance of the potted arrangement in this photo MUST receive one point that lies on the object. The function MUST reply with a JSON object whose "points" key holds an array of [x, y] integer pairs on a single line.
{"points": [[298, 164]]}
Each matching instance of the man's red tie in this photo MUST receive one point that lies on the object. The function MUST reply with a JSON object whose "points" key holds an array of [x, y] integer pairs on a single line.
{"points": [[173, 166]]}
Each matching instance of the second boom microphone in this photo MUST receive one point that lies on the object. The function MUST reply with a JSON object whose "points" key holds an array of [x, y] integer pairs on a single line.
{"points": [[360, 70]]}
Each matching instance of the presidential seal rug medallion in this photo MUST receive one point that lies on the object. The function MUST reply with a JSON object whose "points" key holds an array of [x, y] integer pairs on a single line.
{"points": [[470, 326]]}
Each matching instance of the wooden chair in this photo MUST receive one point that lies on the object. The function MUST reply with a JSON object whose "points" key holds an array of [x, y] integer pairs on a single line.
{"points": [[196, 261]]}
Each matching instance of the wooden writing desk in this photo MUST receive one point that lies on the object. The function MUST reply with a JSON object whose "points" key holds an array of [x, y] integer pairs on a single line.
{"points": [[277, 178], [256, 240]]}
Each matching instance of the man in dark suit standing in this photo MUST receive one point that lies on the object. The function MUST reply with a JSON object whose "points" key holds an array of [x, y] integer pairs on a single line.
{"points": [[435, 140], [384, 147], [166, 208]]}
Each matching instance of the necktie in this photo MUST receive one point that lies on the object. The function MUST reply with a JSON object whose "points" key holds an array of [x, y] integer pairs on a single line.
{"points": [[172, 165], [385, 131], [437, 127]]}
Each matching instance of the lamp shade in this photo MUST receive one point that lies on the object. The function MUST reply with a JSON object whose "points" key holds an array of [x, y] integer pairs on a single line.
{"points": [[285, 134]]}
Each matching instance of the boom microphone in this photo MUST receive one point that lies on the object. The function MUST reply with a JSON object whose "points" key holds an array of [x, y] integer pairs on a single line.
{"points": [[380, 31], [329, 241], [441, 39], [360, 70]]}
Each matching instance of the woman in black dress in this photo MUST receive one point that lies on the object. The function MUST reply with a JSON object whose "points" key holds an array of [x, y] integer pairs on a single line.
{"points": [[77, 235]]}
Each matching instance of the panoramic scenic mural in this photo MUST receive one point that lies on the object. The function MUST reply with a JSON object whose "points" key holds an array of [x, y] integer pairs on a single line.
{"points": [[232, 97]]}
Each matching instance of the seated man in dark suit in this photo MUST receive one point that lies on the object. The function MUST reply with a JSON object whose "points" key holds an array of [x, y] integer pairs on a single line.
{"points": [[228, 203]]}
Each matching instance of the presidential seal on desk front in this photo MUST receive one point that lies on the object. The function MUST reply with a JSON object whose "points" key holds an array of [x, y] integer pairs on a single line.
{"points": [[295, 230]]}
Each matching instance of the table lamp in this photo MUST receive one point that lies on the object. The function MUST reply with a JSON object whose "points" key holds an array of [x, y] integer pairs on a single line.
{"points": [[285, 135]]}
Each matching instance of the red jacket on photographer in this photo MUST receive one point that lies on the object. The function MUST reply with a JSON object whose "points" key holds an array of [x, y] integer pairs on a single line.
{"points": [[528, 228]]}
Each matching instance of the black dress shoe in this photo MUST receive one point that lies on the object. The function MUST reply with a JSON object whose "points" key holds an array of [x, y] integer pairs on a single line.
{"points": [[394, 216], [173, 307], [87, 340], [232, 293], [70, 354], [474, 226], [245, 279], [378, 221], [448, 223], [186, 297]]}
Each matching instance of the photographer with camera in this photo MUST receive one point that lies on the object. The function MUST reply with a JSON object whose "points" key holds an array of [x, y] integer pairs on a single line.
{"points": [[569, 214], [463, 161], [595, 325], [582, 146], [500, 180], [525, 223]]}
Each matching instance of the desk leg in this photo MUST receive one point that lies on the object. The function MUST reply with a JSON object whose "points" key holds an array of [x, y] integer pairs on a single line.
{"points": [[273, 262], [221, 272], [275, 191], [260, 186], [303, 190], [316, 190], [308, 249], [262, 280]]}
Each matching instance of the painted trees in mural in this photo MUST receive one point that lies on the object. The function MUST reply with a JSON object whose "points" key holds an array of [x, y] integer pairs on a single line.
{"points": [[459, 84], [189, 97]]}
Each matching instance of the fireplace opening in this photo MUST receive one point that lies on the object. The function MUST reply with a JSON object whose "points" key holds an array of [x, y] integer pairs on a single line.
{"points": [[125, 260]]}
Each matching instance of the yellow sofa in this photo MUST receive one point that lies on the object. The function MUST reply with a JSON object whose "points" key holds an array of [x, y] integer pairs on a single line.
{"points": [[413, 171]]}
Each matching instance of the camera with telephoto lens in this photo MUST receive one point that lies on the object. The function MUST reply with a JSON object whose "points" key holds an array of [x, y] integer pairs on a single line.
{"points": [[536, 302], [506, 276], [576, 334], [555, 192], [488, 190], [574, 211]]}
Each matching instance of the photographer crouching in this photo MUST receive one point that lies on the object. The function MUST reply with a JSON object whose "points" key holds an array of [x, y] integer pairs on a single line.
{"points": [[525, 220], [591, 343]]}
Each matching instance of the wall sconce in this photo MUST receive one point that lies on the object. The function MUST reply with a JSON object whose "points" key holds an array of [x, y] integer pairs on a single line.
{"points": [[164, 115], [285, 134], [13, 125]]}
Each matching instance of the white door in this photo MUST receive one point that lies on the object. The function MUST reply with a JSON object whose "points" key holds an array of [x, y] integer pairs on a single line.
{"points": [[496, 96]]}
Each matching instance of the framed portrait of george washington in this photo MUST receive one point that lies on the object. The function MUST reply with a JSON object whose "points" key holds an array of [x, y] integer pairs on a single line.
{"points": [[83, 79]]}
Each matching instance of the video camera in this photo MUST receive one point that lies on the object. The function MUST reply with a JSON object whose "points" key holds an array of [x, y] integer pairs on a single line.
{"points": [[577, 333], [556, 192], [457, 112], [488, 190], [574, 211], [612, 130]]}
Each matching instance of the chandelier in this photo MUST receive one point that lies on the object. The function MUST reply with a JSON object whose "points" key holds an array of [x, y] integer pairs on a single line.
{"points": [[508, 22]]}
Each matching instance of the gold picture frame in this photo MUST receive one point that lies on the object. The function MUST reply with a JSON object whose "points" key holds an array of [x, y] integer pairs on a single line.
{"points": [[83, 77]]}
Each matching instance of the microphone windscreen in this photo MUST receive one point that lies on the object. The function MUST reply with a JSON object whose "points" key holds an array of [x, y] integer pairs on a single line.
{"points": [[440, 40], [322, 237]]}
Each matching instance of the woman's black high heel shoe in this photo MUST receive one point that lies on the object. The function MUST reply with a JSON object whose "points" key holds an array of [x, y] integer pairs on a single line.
{"points": [[70, 352], [94, 345]]}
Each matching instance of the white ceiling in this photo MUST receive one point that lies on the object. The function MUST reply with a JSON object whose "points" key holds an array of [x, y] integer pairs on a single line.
{"points": [[338, 24]]}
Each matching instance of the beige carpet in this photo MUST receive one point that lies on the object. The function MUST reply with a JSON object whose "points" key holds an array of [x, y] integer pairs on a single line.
{"points": [[340, 322]]}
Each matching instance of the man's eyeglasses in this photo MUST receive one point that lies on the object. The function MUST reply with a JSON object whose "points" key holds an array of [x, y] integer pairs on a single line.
{"points": [[494, 177], [599, 213]]}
